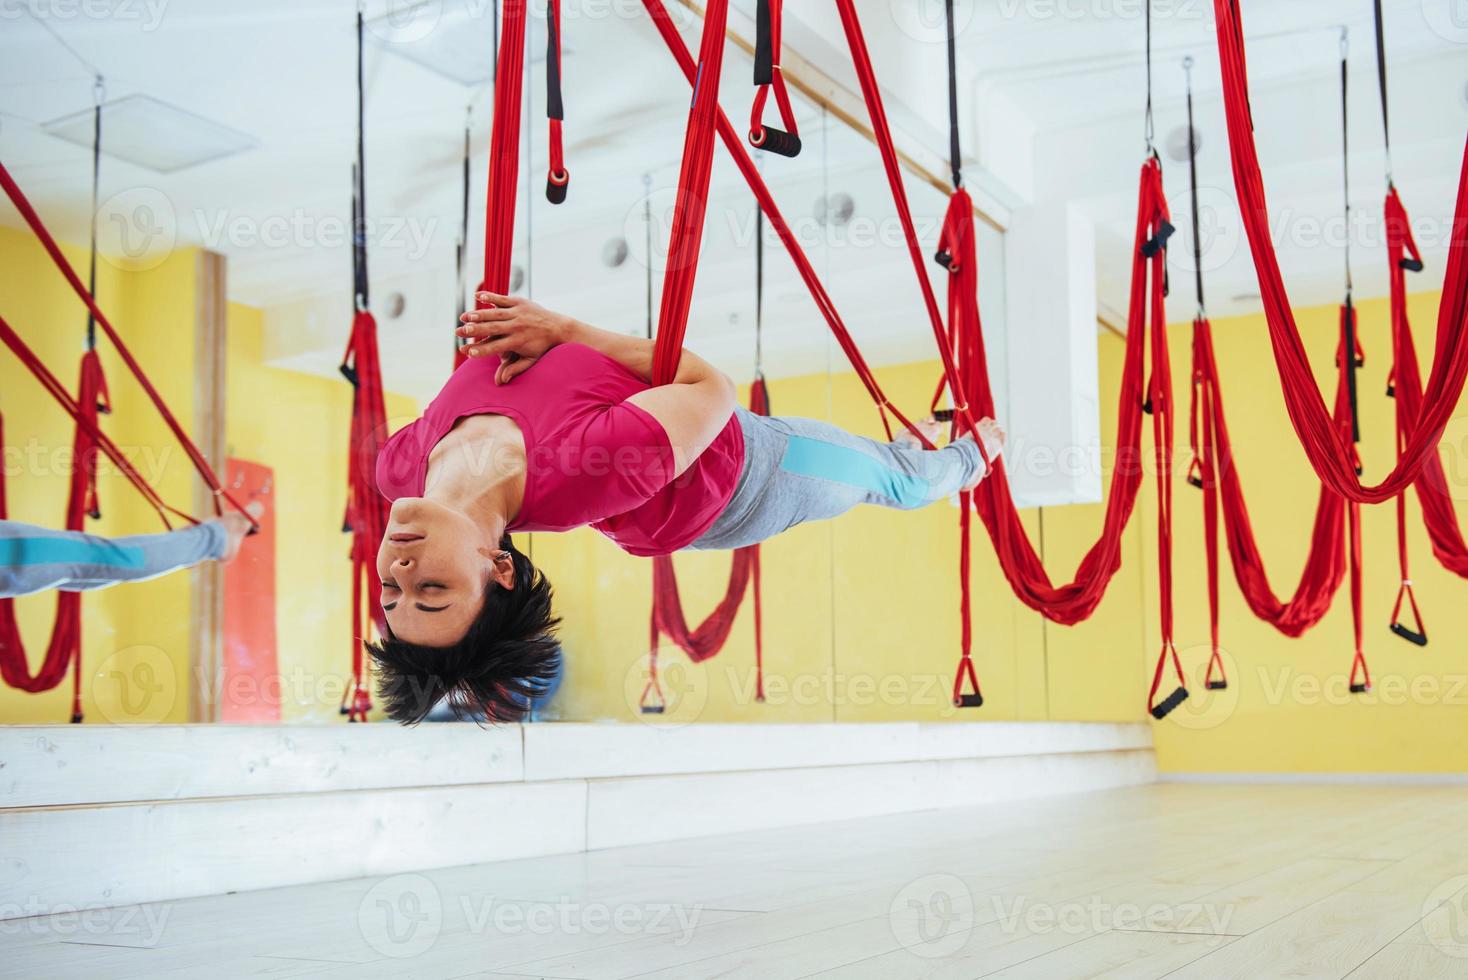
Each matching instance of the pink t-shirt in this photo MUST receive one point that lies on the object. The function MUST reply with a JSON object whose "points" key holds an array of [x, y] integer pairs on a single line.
{"points": [[591, 458]]}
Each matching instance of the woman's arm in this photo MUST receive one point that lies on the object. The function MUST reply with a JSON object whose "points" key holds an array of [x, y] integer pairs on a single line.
{"points": [[692, 409]]}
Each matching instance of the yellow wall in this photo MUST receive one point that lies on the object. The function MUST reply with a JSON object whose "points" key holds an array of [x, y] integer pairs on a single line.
{"points": [[136, 637], [861, 613], [1287, 708]]}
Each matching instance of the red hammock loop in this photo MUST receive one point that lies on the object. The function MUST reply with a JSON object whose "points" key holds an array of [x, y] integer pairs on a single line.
{"points": [[1329, 454]]}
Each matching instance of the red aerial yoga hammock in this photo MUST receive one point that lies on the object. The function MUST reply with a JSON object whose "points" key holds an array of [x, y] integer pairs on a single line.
{"points": [[1314, 424], [366, 509], [1066, 604], [65, 648], [65, 645], [708, 638]]}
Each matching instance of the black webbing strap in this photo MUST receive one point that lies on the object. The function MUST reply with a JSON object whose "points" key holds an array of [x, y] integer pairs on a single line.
{"points": [[1346, 158], [1351, 364], [359, 173], [764, 50], [955, 157], [462, 255], [1147, 7], [553, 107], [97, 97], [1193, 188], [1386, 134], [759, 291]]}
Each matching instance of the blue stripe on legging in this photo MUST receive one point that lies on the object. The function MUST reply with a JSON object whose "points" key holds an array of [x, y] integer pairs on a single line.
{"points": [[67, 551], [840, 464]]}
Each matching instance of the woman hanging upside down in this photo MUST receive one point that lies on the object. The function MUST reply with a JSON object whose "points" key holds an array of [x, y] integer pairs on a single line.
{"points": [[551, 425]]}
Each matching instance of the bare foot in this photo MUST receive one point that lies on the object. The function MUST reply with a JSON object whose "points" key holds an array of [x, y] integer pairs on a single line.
{"points": [[993, 439], [931, 429]]}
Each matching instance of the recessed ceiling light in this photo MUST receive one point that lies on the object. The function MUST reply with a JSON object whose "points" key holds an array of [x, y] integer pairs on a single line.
{"points": [[153, 134]]}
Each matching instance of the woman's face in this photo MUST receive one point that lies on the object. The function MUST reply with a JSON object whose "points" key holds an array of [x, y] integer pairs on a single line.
{"points": [[434, 564]]}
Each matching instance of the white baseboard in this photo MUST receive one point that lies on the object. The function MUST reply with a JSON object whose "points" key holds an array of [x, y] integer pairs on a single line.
{"points": [[96, 816]]}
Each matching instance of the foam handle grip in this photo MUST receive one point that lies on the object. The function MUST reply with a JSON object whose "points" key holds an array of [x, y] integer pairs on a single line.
{"points": [[555, 191], [350, 373], [1410, 635], [970, 701], [1360, 688], [1218, 685], [778, 141], [1411, 264], [943, 414], [1164, 707], [652, 709]]}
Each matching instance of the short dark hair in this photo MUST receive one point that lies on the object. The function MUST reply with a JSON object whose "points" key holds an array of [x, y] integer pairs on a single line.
{"points": [[507, 658]]}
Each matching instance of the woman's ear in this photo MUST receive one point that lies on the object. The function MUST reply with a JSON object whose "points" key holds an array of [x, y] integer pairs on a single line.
{"points": [[502, 569]]}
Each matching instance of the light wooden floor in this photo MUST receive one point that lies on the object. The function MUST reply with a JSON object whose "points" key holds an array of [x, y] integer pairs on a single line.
{"points": [[1178, 881]]}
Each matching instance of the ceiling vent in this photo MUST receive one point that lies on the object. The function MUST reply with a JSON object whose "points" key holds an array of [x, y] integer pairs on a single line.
{"points": [[153, 134], [1177, 143]]}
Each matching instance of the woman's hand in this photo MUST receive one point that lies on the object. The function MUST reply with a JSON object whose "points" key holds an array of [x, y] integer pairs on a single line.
{"points": [[513, 329]]}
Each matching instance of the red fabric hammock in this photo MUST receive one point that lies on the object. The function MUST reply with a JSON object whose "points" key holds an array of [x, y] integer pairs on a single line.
{"points": [[1438, 514], [1218, 477], [709, 637], [367, 510], [65, 647], [205, 471], [1318, 433]]}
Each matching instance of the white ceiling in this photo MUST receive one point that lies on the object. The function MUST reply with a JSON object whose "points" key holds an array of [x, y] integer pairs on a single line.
{"points": [[281, 71]]}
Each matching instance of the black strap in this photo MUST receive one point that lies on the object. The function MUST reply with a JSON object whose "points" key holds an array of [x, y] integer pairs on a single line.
{"points": [[1351, 364], [1346, 159], [96, 184], [764, 48], [462, 256], [1193, 187], [759, 291], [1148, 22], [1386, 135], [359, 172], [553, 107], [955, 157]]}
